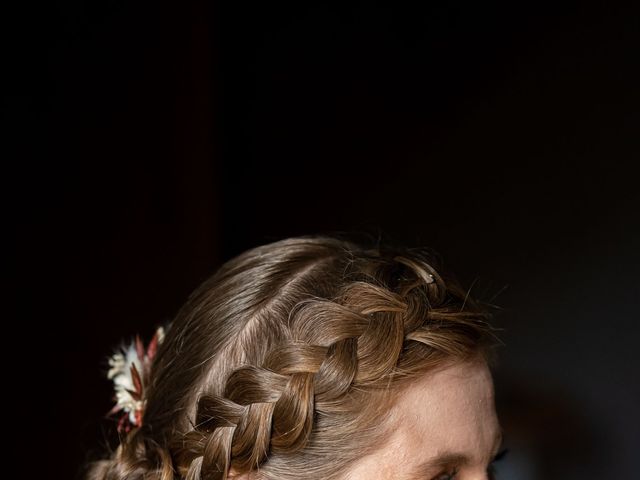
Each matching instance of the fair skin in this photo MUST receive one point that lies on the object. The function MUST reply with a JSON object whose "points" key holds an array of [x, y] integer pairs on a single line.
{"points": [[444, 428]]}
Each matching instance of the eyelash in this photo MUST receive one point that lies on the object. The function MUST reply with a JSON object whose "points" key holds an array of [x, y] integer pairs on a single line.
{"points": [[446, 476], [492, 466], [490, 470]]}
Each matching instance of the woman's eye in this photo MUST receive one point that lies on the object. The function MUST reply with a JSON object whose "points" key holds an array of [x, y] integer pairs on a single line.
{"points": [[446, 476], [491, 470], [492, 466]]}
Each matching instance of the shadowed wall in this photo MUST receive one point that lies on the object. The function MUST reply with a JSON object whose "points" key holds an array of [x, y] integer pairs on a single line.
{"points": [[155, 141]]}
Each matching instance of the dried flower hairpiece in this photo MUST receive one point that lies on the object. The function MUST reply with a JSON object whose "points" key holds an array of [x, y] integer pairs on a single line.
{"points": [[129, 371]]}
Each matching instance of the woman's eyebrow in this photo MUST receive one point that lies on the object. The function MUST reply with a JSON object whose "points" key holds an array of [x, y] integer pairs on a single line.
{"points": [[448, 459], [433, 465]]}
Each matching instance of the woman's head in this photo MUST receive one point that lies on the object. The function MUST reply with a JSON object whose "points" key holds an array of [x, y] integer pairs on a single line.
{"points": [[302, 358]]}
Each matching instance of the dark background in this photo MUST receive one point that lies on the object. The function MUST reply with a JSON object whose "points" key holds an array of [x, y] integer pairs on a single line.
{"points": [[150, 141]]}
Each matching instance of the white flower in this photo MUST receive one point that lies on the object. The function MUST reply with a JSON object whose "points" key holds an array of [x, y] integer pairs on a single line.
{"points": [[129, 367], [120, 374]]}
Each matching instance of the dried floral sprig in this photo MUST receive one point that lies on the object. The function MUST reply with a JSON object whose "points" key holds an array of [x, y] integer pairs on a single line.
{"points": [[129, 371]]}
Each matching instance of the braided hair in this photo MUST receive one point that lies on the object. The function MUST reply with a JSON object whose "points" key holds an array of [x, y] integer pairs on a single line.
{"points": [[283, 364]]}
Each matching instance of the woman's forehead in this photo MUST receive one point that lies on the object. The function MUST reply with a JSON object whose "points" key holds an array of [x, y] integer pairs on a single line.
{"points": [[443, 415], [454, 399]]}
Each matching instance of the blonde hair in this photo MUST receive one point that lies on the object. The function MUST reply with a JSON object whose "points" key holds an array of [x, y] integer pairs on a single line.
{"points": [[284, 362]]}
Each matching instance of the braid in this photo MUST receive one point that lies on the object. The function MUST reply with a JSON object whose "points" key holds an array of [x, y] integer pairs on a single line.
{"points": [[299, 377], [332, 346]]}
